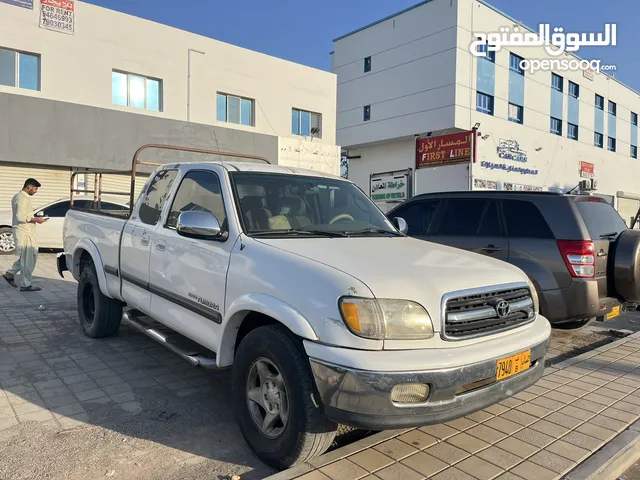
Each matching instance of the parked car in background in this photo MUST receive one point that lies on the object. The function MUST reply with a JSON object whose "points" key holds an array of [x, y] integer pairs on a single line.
{"points": [[50, 232], [576, 249]]}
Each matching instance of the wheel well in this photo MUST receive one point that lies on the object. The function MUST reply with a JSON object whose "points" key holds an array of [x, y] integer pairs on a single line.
{"points": [[252, 321], [85, 260]]}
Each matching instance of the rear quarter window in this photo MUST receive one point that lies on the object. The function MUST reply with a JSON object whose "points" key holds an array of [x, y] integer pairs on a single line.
{"points": [[524, 220], [600, 218]]}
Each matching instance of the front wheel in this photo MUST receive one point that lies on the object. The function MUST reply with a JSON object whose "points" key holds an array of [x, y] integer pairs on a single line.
{"points": [[7, 242], [274, 397], [99, 315]]}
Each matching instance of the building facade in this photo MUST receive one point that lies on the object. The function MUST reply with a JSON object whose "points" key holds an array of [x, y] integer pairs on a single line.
{"points": [[83, 86], [413, 75]]}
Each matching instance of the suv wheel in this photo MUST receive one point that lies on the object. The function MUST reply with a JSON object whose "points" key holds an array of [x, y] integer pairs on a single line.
{"points": [[7, 242]]}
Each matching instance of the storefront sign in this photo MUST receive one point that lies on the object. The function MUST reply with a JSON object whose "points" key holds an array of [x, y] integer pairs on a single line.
{"points": [[508, 168], [587, 170], [481, 184], [521, 188], [390, 186], [510, 150], [443, 150], [57, 15], [20, 3]]}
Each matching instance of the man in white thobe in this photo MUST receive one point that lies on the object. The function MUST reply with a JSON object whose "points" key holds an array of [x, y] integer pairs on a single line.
{"points": [[24, 234]]}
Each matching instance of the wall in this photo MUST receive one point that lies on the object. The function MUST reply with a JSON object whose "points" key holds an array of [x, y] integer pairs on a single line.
{"points": [[313, 155], [77, 68], [411, 85]]}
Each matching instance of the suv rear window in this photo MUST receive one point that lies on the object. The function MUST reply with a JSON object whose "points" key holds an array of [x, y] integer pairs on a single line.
{"points": [[600, 218]]}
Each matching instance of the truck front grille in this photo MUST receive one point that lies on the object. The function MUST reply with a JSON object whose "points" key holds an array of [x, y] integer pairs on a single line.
{"points": [[485, 313]]}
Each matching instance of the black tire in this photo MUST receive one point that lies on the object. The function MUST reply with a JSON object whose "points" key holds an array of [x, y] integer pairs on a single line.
{"points": [[5, 234], [307, 433], [99, 316]]}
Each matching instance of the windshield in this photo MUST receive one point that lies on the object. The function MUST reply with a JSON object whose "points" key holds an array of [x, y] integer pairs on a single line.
{"points": [[281, 203], [601, 219]]}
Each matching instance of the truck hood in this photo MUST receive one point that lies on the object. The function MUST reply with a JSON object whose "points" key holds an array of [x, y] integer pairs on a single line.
{"points": [[404, 267]]}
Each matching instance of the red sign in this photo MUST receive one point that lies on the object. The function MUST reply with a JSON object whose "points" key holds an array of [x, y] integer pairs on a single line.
{"points": [[66, 4], [587, 170], [443, 150]]}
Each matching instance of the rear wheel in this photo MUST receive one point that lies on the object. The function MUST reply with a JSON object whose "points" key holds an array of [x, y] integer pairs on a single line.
{"points": [[273, 392], [7, 242], [99, 316]]}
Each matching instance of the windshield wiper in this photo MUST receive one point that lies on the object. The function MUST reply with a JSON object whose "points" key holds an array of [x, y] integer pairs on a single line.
{"points": [[610, 234], [296, 231], [374, 230]]}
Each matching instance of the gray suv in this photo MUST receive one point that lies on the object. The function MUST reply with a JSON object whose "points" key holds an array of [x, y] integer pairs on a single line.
{"points": [[576, 249]]}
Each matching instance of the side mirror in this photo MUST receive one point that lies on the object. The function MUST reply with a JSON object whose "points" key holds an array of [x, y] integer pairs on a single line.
{"points": [[401, 224], [199, 225], [39, 214]]}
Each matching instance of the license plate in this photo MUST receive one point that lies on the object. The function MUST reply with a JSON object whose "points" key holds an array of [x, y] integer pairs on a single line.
{"points": [[507, 367], [615, 311]]}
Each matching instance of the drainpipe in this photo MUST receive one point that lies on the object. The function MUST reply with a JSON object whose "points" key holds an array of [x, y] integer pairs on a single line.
{"points": [[189, 81]]}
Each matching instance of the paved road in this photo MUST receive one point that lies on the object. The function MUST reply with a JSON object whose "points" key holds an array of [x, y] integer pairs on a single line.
{"points": [[124, 407]]}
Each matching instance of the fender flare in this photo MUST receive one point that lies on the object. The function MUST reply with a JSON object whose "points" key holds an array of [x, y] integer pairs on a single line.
{"points": [[267, 305], [85, 245]]}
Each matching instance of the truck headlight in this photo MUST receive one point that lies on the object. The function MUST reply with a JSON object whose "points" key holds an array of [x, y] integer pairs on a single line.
{"points": [[389, 319], [534, 296]]}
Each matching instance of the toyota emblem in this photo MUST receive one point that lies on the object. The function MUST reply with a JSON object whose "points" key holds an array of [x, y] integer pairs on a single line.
{"points": [[502, 308]]}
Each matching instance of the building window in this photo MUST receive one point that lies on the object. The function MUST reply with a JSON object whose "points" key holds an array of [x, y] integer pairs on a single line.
{"points": [[233, 109], [484, 103], [306, 123], [572, 131], [19, 69], [574, 89], [557, 82], [634, 151], [367, 64], [612, 108], [611, 144], [490, 55], [515, 64], [366, 113], [634, 118], [516, 113], [136, 91], [599, 102], [556, 126], [598, 139]]}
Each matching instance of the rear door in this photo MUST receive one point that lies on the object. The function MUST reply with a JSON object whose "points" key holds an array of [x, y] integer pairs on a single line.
{"points": [[418, 214], [472, 224], [136, 240]]}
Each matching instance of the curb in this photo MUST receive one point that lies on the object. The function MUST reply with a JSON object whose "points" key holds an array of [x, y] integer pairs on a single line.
{"points": [[613, 459]]}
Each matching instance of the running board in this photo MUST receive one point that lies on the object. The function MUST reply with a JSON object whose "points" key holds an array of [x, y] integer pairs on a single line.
{"points": [[134, 318]]}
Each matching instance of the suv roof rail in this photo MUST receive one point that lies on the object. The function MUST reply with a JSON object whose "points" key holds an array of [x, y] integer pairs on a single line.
{"points": [[491, 192]]}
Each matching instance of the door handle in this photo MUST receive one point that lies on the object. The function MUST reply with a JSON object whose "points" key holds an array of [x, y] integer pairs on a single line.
{"points": [[491, 249], [162, 246], [144, 241]]}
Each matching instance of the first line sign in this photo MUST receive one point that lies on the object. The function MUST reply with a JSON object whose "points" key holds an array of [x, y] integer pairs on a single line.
{"points": [[57, 15]]}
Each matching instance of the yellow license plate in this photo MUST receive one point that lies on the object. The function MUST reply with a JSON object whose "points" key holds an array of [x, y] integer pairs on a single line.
{"points": [[615, 311], [507, 367]]}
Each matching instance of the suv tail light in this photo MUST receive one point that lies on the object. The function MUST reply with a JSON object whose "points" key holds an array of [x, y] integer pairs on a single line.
{"points": [[579, 257]]}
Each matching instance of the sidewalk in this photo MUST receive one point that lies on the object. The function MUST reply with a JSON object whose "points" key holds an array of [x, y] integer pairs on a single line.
{"points": [[540, 434]]}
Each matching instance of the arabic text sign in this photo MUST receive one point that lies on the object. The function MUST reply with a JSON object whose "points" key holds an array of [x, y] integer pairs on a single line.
{"points": [[510, 150], [443, 150], [587, 170], [554, 43], [20, 3], [57, 15], [389, 187]]}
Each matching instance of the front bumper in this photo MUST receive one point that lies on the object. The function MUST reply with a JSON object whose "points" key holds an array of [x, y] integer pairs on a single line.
{"points": [[363, 398]]}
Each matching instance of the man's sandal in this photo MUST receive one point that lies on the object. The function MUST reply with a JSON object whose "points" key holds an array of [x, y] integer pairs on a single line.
{"points": [[10, 280], [30, 288]]}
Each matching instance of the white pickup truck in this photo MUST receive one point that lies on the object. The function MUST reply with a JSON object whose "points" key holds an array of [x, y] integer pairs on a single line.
{"points": [[326, 310]]}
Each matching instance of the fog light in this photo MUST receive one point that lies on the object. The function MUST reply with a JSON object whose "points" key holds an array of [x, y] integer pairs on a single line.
{"points": [[408, 393]]}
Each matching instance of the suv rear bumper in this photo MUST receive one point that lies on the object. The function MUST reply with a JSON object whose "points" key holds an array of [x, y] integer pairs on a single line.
{"points": [[363, 398], [579, 301]]}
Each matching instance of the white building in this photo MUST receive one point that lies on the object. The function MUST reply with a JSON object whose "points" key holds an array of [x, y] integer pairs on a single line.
{"points": [[91, 85], [412, 74]]}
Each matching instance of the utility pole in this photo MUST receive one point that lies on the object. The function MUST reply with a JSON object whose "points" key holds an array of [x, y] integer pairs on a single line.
{"points": [[189, 80]]}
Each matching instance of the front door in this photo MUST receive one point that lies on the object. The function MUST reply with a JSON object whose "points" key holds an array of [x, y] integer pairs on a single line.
{"points": [[188, 275], [136, 241]]}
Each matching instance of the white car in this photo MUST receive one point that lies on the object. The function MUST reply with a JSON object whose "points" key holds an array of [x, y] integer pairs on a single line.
{"points": [[50, 232], [326, 310]]}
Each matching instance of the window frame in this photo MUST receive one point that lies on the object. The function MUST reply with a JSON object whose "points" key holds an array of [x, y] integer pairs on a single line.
{"points": [[490, 54], [300, 110], [490, 102], [634, 119], [599, 102], [520, 118], [612, 108], [596, 143], [560, 87], [572, 137], [551, 130], [226, 110], [16, 68], [517, 68], [366, 113], [146, 79], [367, 64], [633, 151], [576, 87], [611, 144]]}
